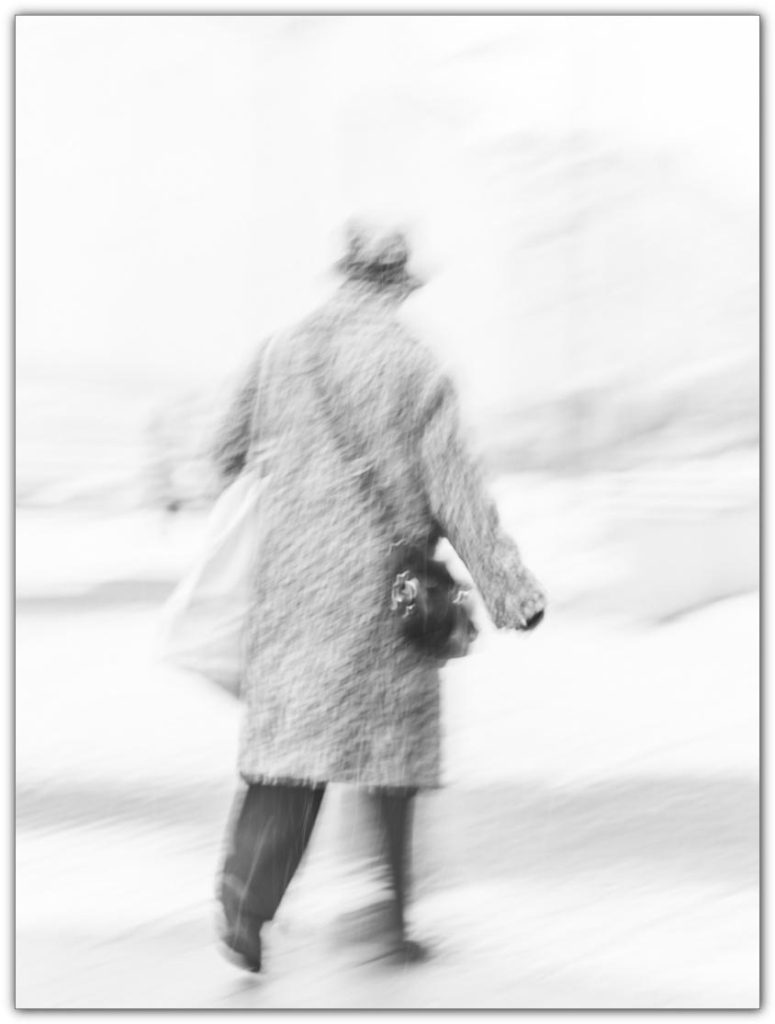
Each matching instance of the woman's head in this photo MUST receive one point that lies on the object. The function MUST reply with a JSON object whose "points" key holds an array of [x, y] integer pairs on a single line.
{"points": [[377, 256]]}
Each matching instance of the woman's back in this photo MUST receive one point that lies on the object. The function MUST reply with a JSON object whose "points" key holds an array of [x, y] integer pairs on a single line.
{"points": [[333, 692]]}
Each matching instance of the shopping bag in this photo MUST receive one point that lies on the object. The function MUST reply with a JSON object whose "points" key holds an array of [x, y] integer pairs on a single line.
{"points": [[203, 623]]}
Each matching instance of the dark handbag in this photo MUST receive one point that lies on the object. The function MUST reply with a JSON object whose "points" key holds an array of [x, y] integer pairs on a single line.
{"points": [[432, 608]]}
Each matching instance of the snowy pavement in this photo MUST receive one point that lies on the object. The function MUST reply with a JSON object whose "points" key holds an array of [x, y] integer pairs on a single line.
{"points": [[596, 844]]}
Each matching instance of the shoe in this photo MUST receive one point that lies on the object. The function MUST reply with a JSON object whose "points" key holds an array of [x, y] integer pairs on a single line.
{"points": [[410, 952], [399, 952], [241, 960], [242, 948]]}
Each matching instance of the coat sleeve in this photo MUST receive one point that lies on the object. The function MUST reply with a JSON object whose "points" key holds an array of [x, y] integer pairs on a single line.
{"points": [[231, 439], [465, 511]]}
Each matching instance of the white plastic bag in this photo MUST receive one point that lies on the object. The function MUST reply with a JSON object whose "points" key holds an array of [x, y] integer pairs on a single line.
{"points": [[203, 622]]}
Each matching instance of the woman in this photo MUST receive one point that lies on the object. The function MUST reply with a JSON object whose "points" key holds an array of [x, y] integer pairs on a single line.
{"points": [[332, 691]]}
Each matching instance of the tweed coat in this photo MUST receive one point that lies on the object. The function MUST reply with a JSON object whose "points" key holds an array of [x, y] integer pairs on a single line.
{"points": [[331, 692]]}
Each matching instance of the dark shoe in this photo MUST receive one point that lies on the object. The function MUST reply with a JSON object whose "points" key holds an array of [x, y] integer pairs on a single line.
{"points": [[399, 952], [410, 952], [243, 948], [241, 960]]}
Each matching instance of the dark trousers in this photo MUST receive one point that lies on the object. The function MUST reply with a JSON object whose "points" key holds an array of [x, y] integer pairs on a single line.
{"points": [[267, 839]]}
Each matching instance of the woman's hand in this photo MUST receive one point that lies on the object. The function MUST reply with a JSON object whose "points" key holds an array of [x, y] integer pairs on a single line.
{"points": [[524, 602], [531, 601]]}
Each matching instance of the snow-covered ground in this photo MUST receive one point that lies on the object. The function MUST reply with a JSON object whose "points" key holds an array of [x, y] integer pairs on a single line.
{"points": [[596, 843]]}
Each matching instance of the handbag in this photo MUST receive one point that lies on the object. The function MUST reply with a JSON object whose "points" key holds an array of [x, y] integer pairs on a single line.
{"points": [[202, 625], [432, 608]]}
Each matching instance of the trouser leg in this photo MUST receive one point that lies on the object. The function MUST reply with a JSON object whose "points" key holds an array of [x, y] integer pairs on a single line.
{"points": [[395, 819], [267, 842]]}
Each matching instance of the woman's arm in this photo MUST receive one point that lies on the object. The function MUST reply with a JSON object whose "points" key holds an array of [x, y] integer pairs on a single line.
{"points": [[467, 514]]}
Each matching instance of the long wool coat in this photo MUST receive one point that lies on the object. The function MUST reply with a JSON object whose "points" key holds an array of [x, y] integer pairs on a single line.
{"points": [[331, 691]]}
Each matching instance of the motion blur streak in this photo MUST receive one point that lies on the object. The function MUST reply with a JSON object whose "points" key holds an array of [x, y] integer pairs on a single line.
{"points": [[583, 199]]}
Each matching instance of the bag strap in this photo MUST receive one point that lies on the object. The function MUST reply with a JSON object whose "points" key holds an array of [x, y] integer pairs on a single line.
{"points": [[352, 449], [254, 442]]}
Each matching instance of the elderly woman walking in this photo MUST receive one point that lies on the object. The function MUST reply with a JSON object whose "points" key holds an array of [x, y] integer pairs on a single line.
{"points": [[333, 692]]}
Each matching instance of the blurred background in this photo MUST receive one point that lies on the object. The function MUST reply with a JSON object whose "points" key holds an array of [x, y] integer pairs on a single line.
{"points": [[583, 197]]}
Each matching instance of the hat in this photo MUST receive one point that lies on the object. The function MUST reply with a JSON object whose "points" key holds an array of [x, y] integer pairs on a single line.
{"points": [[376, 254]]}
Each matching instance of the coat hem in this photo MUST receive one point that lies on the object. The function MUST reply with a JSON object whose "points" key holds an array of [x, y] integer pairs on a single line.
{"points": [[262, 779]]}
